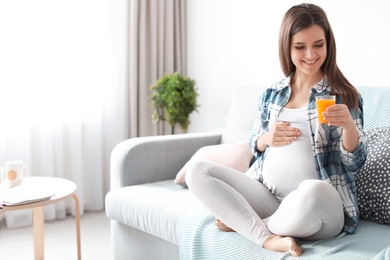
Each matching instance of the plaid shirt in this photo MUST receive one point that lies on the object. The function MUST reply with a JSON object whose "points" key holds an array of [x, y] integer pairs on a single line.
{"points": [[334, 164]]}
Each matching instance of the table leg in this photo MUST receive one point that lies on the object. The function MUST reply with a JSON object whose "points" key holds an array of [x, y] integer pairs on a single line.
{"points": [[77, 207], [38, 223]]}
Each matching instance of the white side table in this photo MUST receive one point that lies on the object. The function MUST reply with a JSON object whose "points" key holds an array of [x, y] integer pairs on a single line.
{"points": [[62, 189]]}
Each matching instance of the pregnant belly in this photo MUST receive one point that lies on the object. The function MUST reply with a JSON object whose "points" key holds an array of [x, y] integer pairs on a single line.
{"points": [[285, 167]]}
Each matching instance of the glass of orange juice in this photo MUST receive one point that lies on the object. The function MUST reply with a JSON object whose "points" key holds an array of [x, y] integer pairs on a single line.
{"points": [[322, 102]]}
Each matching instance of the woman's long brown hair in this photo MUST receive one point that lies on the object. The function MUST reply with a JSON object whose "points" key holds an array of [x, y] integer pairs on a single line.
{"points": [[303, 16]]}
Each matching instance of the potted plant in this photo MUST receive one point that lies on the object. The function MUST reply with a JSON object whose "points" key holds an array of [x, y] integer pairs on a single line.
{"points": [[173, 98]]}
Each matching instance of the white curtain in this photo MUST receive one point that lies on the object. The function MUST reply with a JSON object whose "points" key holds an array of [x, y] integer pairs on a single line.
{"points": [[59, 111], [74, 82], [157, 46]]}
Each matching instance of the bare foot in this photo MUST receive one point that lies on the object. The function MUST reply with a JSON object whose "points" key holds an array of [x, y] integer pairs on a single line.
{"points": [[283, 244], [221, 226]]}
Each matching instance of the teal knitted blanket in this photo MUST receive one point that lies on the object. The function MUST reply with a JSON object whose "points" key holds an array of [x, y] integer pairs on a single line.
{"points": [[200, 239]]}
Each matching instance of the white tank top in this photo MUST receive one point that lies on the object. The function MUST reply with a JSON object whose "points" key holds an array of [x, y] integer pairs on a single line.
{"points": [[286, 166]]}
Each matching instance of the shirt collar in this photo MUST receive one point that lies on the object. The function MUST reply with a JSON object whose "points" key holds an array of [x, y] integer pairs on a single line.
{"points": [[284, 83], [322, 85], [319, 87]]}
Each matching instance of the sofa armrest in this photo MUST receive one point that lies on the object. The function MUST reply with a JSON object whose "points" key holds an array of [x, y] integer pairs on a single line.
{"points": [[155, 158]]}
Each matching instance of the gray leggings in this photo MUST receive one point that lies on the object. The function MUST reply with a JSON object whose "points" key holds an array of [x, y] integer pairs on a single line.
{"points": [[313, 211]]}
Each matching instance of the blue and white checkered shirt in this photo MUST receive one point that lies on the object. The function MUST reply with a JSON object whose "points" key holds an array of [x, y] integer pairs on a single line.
{"points": [[333, 163]]}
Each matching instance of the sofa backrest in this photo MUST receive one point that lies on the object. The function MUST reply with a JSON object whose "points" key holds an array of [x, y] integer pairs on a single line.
{"points": [[376, 106], [243, 110]]}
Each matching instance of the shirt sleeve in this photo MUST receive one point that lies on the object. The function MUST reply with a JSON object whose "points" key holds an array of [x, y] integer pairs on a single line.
{"points": [[260, 125], [353, 161]]}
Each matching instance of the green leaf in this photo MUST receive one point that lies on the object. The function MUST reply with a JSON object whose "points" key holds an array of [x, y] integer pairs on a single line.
{"points": [[173, 98]]}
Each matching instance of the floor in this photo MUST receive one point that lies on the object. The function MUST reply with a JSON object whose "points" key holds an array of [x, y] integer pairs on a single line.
{"points": [[60, 239]]}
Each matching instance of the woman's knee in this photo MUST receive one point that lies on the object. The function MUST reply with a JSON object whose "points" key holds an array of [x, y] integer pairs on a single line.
{"points": [[317, 192], [196, 170], [317, 188]]}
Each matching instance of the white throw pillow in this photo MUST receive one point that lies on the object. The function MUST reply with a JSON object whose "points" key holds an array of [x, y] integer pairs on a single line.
{"points": [[242, 115]]}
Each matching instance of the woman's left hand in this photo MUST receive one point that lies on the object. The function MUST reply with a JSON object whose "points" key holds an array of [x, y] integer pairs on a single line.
{"points": [[338, 115]]}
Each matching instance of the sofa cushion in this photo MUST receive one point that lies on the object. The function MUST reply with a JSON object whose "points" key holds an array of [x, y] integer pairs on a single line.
{"points": [[373, 180], [242, 114], [154, 208], [235, 155]]}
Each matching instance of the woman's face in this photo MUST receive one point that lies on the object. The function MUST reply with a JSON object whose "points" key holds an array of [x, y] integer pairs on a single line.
{"points": [[308, 50]]}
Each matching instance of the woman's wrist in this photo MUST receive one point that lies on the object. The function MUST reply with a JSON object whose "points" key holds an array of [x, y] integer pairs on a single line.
{"points": [[350, 138], [260, 143]]}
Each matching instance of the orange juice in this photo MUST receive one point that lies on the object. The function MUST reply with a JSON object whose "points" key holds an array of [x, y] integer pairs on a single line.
{"points": [[322, 102]]}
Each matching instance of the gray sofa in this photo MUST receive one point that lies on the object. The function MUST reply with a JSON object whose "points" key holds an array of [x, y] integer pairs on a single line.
{"points": [[154, 218]]}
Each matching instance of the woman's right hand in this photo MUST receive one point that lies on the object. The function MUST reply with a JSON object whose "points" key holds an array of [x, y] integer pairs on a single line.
{"points": [[279, 134]]}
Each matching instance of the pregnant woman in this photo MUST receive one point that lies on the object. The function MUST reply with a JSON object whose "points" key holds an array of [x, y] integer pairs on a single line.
{"points": [[302, 183]]}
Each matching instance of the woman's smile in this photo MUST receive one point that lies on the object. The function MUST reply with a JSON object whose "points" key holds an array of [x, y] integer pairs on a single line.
{"points": [[310, 62]]}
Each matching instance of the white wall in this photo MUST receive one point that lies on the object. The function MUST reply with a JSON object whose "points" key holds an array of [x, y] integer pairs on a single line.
{"points": [[233, 43]]}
